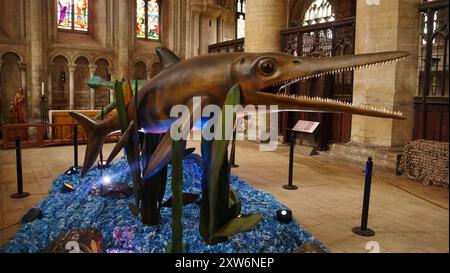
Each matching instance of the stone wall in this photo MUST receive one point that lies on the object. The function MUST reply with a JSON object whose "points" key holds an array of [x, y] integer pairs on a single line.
{"points": [[10, 82], [393, 25], [28, 29], [263, 23]]}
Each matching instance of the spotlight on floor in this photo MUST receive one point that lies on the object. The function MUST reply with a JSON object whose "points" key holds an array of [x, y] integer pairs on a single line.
{"points": [[103, 164], [106, 181], [71, 171], [284, 216], [67, 188]]}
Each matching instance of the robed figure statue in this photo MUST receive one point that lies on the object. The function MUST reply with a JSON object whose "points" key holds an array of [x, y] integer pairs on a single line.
{"points": [[19, 106]]}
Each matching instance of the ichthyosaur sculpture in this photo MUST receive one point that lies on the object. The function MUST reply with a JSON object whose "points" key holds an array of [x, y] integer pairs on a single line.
{"points": [[211, 76]]}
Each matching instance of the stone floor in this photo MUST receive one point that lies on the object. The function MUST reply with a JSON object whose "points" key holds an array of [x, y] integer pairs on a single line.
{"points": [[407, 216]]}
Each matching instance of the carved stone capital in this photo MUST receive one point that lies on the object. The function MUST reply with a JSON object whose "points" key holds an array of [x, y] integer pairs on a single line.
{"points": [[111, 70], [22, 67], [92, 69], [72, 67]]}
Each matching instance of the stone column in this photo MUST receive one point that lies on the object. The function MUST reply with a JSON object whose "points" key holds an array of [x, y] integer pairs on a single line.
{"points": [[220, 28], [113, 79], [36, 56], [23, 76], [72, 68], [50, 85], [195, 32], [92, 69], [392, 25], [264, 19], [123, 36], [1, 62]]}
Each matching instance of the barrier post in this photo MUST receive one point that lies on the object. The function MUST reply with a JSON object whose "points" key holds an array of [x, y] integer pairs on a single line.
{"points": [[290, 185], [20, 193], [363, 230]]}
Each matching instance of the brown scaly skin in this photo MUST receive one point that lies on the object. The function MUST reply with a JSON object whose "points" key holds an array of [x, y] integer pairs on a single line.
{"points": [[211, 76]]}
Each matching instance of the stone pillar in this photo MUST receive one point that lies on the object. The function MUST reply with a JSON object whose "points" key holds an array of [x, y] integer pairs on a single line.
{"points": [[123, 36], [92, 69], [23, 76], [220, 22], [264, 19], [113, 79], [72, 68], [36, 56], [1, 116], [392, 25], [50, 85], [195, 46]]}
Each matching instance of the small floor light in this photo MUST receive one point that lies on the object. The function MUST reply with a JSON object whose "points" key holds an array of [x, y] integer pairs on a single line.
{"points": [[284, 216], [103, 164], [68, 188], [71, 171], [106, 181]]}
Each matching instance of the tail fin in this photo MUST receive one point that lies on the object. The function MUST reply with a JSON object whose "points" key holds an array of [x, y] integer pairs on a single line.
{"points": [[95, 137]]}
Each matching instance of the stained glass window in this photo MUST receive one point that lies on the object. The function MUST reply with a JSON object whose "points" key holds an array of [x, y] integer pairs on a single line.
{"points": [[320, 11], [73, 15], [147, 19], [240, 19]]}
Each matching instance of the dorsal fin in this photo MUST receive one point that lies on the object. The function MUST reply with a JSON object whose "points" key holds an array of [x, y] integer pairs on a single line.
{"points": [[166, 57]]}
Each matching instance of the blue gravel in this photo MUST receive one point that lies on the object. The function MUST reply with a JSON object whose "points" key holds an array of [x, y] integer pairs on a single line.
{"points": [[125, 233]]}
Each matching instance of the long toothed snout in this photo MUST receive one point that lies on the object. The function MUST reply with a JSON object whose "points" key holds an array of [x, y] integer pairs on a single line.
{"points": [[311, 67], [330, 105], [308, 67]]}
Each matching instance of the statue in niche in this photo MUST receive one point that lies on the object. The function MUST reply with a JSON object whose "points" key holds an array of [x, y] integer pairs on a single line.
{"points": [[19, 106]]}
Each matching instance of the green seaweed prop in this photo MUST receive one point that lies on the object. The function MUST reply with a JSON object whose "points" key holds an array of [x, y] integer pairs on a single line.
{"points": [[221, 208], [153, 188], [148, 192], [131, 147], [177, 197]]}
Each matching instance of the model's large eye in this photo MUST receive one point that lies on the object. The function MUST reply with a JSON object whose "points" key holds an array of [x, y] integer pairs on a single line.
{"points": [[267, 67]]}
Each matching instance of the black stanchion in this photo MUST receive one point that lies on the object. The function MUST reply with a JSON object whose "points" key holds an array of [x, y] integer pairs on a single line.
{"points": [[290, 185], [20, 193], [363, 230], [74, 169], [75, 146], [43, 117], [102, 163]]}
